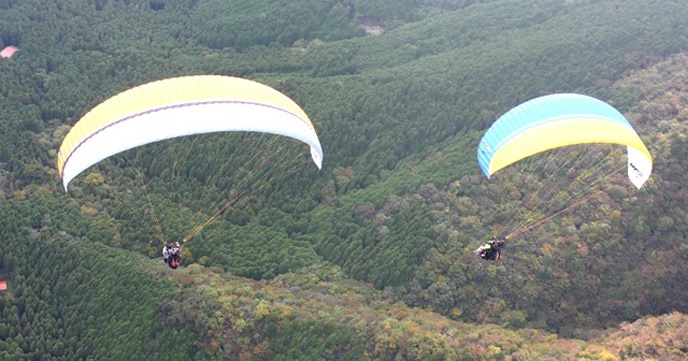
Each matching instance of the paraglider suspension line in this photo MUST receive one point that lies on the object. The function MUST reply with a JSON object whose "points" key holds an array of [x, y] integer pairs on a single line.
{"points": [[161, 234], [236, 198]]}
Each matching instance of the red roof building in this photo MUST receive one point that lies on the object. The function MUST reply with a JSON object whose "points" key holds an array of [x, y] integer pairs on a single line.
{"points": [[8, 51]]}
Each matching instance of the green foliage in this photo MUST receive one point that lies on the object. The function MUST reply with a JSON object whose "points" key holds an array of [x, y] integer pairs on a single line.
{"points": [[76, 300], [399, 204], [239, 25]]}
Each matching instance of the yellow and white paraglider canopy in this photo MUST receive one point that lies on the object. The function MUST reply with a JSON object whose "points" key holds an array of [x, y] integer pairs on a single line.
{"points": [[178, 107]]}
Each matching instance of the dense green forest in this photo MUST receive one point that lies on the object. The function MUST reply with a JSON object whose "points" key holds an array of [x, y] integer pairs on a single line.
{"points": [[370, 257]]}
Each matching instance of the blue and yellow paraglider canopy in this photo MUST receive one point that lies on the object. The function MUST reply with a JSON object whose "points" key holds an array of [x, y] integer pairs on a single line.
{"points": [[559, 120]]}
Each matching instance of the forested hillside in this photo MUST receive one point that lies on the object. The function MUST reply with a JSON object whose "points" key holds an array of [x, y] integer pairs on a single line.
{"points": [[370, 257]]}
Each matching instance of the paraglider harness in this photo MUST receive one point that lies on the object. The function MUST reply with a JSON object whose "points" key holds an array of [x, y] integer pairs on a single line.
{"points": [[171, 254], [491, 251]]}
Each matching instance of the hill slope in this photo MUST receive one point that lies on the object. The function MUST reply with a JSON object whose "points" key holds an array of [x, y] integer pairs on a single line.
{"points": [[399, 204]]}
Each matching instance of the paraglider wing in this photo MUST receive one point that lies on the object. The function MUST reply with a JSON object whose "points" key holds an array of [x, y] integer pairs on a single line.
{"points": [[178, 107], [560, 120]]}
